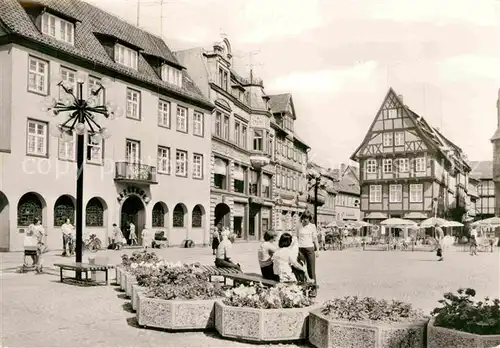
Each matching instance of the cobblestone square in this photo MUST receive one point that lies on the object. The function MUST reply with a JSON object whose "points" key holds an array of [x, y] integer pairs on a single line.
{"points": [[38, 311]]}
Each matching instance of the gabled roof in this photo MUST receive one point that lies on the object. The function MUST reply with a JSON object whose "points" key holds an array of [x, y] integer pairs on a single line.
{"points": [[279, 103], [348, 183], [434, 139], [87, 46], [481, 169]]}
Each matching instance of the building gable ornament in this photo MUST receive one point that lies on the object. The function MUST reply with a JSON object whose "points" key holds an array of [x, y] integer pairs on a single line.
{"points": [[223, 104], [223, 150], [133, 190]]}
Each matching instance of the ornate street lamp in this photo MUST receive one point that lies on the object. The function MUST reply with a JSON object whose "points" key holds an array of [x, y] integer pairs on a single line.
{"points": [[80, 115]]}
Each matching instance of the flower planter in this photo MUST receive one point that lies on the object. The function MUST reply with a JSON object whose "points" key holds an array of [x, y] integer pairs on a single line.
{"points": [[262, 325], [325, 332], [175, 314], [131, 281], [118, 271], [443, 337], [136, 289], [123, 280]]}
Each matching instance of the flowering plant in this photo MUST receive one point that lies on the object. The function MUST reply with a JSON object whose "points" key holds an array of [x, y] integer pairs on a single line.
{"points": [[367, 308], [461, 312], [138, 257], [258, 296], [184, 282]]}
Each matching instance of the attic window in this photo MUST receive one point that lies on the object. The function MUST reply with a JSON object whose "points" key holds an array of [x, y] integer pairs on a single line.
{"points": [[391, 113], [58, 28], [126, 56], [171, 75]]}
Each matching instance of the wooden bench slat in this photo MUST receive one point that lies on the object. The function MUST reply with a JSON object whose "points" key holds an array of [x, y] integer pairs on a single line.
{"points": [[252, 278]]}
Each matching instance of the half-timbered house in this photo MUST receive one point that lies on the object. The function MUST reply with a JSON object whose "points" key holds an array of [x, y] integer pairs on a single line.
{"points": [[409, 169]]}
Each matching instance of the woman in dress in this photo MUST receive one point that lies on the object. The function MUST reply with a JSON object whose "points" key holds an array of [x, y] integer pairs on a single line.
{"points": [[215, 240], [307, 238], [117, 237], [285, 261]]}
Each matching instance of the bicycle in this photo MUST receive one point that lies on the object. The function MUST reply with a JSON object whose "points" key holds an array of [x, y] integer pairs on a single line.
{"points": [[92, 243]]}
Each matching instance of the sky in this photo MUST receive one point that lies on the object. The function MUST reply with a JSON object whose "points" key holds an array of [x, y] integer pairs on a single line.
{"points": [[338, 59]]}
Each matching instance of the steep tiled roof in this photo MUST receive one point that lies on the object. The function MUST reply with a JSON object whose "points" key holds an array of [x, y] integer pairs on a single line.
{"points": [[348, 183], [481, 169], [87, 47], [279, 102]]}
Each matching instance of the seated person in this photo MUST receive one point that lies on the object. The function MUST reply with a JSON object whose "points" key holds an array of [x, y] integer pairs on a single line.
{"points": [[285, 260], [223, 256], [266, 251]]}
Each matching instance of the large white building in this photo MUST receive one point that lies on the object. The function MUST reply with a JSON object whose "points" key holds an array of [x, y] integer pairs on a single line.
{"points": [[155, 168]]}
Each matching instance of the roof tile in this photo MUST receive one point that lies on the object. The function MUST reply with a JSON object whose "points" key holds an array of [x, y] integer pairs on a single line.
{"points": [[481, 169]]}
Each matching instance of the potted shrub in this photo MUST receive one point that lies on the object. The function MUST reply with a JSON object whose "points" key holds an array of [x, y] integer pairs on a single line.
{"points": [[257, 313], [366, 323], [137, 257], [178, 298], [463, 322]]}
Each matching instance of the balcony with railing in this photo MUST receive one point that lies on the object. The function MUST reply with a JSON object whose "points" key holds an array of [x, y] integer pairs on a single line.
{"points": [[135, 173]]}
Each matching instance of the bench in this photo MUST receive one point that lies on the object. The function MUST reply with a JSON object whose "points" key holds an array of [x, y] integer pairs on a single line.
{"points": [[245, 278], [83, 267], [219, 271]]}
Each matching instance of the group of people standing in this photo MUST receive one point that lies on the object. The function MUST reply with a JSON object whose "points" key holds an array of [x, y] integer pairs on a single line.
{"points": [[118, 240], [284, 258]]}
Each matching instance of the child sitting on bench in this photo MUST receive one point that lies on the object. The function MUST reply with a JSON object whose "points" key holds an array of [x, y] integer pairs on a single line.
{"points": [[285, 261]]}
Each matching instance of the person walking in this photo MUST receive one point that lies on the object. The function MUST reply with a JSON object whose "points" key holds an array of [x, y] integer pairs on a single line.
{"points": [[215, 240], [66, 229], [473, 241], [39, 233], [307, 237], [265, 254], [132, 235], [118, 237], [439, 239]]}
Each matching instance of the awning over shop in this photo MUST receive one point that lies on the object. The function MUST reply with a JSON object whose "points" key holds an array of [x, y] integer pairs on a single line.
{"points": [[220, 167], [415, 215], [376, 216], [238, 173]]}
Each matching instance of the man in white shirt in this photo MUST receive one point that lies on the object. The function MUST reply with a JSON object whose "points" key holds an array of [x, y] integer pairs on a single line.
{"points": [[67, 231], [223, 256], [473, 241]]}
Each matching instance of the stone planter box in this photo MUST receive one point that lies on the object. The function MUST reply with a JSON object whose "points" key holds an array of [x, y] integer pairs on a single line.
{"points": [[118, 271], [136, 289], [131, 281], [438, 337], [123, 280], [261, 325], [324, 332], [175, 314]]}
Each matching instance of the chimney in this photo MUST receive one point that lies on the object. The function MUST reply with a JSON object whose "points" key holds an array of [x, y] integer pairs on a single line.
{"points": [[342, 169], [498, 109], [400, 96]]}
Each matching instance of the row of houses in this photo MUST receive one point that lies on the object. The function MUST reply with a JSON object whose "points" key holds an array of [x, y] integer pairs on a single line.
{"points": [[199, 147], [410, 169]]}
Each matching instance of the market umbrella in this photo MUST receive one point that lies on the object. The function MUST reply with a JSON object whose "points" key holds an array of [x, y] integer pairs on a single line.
{"points": [[453, 224], [491, 222], [397, 222], [433, 222]]}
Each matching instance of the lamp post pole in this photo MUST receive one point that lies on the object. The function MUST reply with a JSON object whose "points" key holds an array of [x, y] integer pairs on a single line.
{"points": [[79, 184], [316, 201]]}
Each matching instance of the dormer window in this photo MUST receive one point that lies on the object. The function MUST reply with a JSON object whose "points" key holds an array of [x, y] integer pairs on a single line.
{"points": [[126, 56], [58, 28], [171, 75]]}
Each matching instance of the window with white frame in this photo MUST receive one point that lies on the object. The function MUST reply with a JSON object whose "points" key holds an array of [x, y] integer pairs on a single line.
{"points": [[126, 56], [38, 75], [403, 165], [181, 119], [391, 113], [258, 140], [371, 166], [94, 85], [388, 139], [133, 104], [37, 138], [197, 166], [163, 160], [181, 163], [198, 123], [420, 164], [67, 149], [387, 165], [225, 127], [217, 124], [375, 193], [416, 193], [244, 140], [171, 75], [58, 28], [94, 149], [223, 78], [237, 133], [395, 193], [163, 113], [399, 138], [68, 76]]}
